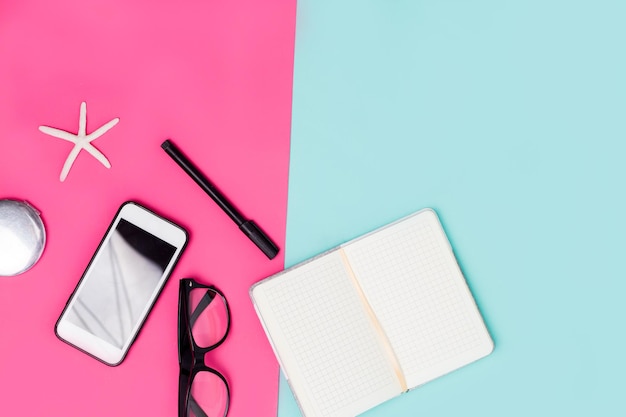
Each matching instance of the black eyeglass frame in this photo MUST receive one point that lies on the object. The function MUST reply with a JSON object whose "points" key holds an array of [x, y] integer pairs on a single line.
{"points": [[190, 355]]}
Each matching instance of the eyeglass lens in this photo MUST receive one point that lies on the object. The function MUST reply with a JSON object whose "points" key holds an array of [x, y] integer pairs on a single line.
{"points": [[208, 317], [209, 396]]}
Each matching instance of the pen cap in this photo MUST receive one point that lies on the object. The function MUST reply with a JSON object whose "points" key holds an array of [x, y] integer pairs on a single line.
{"points": [[259, 238]]}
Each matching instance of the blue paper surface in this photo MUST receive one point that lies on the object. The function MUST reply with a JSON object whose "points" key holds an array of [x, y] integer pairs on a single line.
{"points": [[509, 119]]}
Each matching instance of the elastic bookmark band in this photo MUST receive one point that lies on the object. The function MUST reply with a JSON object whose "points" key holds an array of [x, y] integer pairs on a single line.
{"points": [[393, 359]]}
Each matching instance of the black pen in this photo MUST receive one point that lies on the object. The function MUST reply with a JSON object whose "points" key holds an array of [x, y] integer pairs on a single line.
{"points": [[248, 227]]}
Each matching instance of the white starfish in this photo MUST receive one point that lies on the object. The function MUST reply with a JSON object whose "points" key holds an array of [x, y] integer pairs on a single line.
{"points": [[82, 140]]}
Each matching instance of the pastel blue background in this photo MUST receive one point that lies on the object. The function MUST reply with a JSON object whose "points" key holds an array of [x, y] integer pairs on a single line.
{"points": [[509, 119]]}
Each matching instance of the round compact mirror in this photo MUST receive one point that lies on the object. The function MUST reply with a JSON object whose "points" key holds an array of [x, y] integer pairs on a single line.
{"points": [[22, 237]]}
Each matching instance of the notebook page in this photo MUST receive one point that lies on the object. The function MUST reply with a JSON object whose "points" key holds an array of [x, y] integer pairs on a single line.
{"points": [[324, 340], [413, 283]]}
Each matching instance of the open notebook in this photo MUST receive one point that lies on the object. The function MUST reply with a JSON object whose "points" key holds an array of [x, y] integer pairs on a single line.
{"points": [[372, 318]]}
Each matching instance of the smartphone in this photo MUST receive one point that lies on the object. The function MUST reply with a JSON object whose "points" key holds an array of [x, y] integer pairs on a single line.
{"points": [[121, 283]]}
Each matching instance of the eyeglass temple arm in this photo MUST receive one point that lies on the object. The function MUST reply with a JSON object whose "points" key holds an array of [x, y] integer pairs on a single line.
{"points": [[204, 303], [195, 408]]}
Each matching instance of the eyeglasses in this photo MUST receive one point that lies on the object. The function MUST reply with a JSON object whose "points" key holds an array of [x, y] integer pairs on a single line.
{"points": [[203, 323]]}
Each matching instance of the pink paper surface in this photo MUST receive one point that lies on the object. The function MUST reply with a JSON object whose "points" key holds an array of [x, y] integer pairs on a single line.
{"points": [[215, 77]]}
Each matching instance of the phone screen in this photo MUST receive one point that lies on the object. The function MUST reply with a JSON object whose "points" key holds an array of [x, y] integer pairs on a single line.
{"points": [[115, 293]]}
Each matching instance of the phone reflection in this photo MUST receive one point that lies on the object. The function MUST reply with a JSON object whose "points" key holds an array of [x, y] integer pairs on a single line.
{"points": [[120, 283]]}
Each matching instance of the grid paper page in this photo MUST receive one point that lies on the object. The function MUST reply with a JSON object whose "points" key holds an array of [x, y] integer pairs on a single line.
{"points": [[325, 340], [412, 281]]}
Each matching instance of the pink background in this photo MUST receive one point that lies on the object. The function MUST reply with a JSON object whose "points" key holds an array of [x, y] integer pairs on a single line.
{"points": [[215, 77]]}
